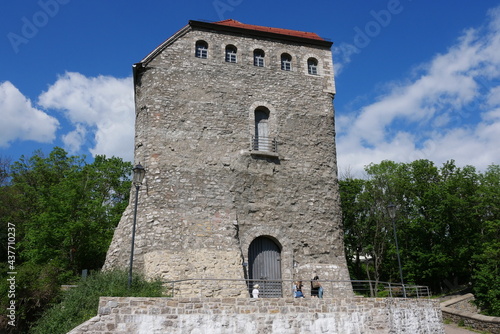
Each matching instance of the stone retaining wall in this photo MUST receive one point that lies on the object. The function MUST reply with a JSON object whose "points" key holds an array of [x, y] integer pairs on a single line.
{"points": [[245, 315], [460, 310]]}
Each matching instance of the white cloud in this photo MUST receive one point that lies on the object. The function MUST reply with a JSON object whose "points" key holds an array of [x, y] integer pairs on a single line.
{"points": [[101, 108], [342, 55], [494, 97], [22, 121], [74, 140], [433, 115]]}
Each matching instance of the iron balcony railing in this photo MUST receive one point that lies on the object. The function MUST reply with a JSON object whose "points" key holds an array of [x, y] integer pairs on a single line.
{"points": [[264, 144], [208, 287]]}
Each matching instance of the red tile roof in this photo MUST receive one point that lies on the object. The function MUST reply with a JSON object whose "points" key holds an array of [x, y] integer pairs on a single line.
{"points": [[234, 23]]}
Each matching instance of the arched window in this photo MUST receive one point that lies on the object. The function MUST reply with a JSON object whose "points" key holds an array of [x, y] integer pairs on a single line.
{"points": [[258, 58], [231, 54], [201, 49], [312, 66], [286, 62], [262, 142]]}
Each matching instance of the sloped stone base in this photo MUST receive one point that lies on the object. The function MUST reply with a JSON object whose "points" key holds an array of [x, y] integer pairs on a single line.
{"points": [[246, 315]]}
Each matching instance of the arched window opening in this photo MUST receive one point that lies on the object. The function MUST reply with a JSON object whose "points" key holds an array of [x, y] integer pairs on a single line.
{"points": [[258, 58], [261, 139], [231, 54], [201, 49], [286, 62], [312, 66], [261, 129]]}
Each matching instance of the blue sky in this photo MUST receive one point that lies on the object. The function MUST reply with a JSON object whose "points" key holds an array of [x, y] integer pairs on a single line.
{"points": [[416, 79]]}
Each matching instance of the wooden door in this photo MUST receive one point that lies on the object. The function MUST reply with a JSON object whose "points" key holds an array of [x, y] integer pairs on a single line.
{"points": [[262, 130], [264, 257]]}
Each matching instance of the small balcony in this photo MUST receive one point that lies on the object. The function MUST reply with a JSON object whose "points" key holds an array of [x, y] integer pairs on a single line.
{"points": [[267, 146]]}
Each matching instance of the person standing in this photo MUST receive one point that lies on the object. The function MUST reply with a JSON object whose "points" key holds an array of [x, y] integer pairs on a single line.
{"points": [[316, 288], [255, 291], [297, 289]]}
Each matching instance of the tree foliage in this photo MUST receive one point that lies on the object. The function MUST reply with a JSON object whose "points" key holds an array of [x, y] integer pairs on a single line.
{"points": [[68, 209], [447, 225], [486, 277], [64, 211], [80, 303]]}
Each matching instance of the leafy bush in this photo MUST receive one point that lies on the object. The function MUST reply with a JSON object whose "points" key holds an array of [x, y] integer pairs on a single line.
{"points": [[36, 286], [81, 303]]}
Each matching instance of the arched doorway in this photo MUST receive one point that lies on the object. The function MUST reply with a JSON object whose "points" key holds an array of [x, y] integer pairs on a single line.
{"points": [[264, 257]]}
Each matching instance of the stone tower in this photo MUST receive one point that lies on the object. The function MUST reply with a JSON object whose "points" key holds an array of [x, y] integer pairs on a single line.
{"points": [[235, 128]]}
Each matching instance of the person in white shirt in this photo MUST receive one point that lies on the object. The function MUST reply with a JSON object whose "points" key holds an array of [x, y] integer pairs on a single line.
{"points": [[255, 291]]}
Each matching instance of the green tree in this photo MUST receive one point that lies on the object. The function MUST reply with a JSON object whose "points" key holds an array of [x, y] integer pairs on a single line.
{"points": [[6, 206], [368, 228], [464, 224], [421, 231], [64, 211], [70, 208], [354, 216], [383, 188], [441, 213], [486, 275]]}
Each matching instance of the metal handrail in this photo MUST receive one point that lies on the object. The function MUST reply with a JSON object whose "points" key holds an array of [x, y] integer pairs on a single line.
{"points": [[264, 144], [363, 288]]}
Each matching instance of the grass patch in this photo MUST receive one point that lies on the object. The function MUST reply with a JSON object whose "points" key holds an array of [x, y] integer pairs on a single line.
{"points": [[81, 303]]}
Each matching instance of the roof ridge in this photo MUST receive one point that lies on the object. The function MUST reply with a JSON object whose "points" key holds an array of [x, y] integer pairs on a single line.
{"points": [[281, 31], [228, 20]]}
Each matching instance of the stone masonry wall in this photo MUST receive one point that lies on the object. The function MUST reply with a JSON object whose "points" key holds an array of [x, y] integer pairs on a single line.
{"points": [[463, 303], [206, 195], [461, 310], [255, 316]]}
